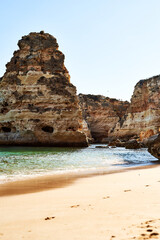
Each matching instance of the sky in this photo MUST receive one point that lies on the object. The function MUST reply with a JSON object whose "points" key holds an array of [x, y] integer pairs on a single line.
{"points": [[109, 45]]}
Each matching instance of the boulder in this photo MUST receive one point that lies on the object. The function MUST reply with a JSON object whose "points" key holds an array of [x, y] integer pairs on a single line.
{"points": [[132, 144], [148, 141], [120, 144], [117, 143], [154, 147]]}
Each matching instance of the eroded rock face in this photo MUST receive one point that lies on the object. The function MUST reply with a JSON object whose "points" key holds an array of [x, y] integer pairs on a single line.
{"points": [[38, 104], [146, 135], [154, 147], [144, 112], [101, 114]]}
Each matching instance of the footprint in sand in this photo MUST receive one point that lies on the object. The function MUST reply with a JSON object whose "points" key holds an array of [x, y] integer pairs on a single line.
{"points": [[147, 230], [49, 218], [106, 197], [143, 234], [113, 237], [154, 234], [75, 206], [127, 190], [150, 227]]}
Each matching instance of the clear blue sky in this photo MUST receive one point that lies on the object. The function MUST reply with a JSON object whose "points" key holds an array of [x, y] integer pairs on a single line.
{"points": [[109, 45]]}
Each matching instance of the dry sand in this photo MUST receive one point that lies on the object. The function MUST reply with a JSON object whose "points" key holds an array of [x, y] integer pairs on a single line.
{"points": [[123, 205]]}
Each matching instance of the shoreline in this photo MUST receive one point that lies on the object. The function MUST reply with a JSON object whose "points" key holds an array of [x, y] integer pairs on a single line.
{"points": [[120, 206], [49, 182]]}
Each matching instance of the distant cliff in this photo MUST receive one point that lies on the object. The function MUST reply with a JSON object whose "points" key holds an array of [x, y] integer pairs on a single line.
{"points": [[144, 111], [101, 114], [38, 104]]}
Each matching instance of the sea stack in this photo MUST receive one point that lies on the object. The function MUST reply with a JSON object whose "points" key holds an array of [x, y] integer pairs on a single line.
{"points": [[143, 115], [38, 104]]}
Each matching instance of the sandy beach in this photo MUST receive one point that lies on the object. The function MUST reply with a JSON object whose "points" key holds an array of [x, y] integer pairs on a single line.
{"points": [[124, 205]]}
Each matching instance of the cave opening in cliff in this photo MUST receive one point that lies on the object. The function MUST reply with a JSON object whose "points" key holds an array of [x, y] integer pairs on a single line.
{"points": [[6, 129], [48, 129]]}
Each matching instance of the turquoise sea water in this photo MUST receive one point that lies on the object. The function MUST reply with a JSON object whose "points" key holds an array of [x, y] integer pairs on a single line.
{"points": [[24, 162]]}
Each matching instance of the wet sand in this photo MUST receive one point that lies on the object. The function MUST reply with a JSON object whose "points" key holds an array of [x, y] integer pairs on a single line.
{"points": [[123, 205], [46, 182]]}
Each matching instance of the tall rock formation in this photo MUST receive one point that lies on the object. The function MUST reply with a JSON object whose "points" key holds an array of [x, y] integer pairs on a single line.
{"points": [[38, 104], [101, 114], [144, 111]]}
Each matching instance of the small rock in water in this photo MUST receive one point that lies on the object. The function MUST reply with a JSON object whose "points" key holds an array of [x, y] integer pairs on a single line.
{"points": [[102, 147], [132, 144]]}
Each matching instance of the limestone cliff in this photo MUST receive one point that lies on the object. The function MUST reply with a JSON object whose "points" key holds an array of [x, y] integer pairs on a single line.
{"points": [[144, 111], [101, 114], [38, 104]]}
